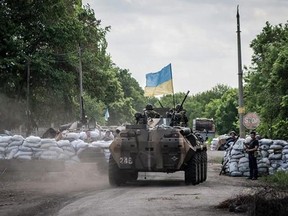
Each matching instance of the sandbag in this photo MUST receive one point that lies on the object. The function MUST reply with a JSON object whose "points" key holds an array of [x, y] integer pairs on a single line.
{"points": [[31, 144], [62, 143], [17, 138], [233, 167], [275, 156], [276, 147], [5, 139], [33, 139], [266, 141], [236, 174], [280, 142], [16, 143]]}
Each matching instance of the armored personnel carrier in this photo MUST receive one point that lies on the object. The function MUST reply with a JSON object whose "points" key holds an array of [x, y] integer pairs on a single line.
{"points": [[155, 146]]}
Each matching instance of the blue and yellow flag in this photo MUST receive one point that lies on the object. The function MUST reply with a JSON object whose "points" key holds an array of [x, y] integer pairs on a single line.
{"points": [[159, 83]]}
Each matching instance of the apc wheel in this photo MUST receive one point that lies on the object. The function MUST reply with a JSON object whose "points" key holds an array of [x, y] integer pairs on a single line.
{"points": [[199, 173], [205, 164], [191, 171], [116, 176]]}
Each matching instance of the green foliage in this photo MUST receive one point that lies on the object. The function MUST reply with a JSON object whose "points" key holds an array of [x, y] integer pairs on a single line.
{"points": [[266, 87], [279, 179]]}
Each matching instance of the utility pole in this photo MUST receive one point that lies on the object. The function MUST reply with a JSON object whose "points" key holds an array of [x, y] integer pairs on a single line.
{"points": [[82, 114], [28, 100], [241, 109]]}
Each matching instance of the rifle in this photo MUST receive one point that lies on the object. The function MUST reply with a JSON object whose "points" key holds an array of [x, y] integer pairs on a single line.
{"points": [[181, 106], [160, 103], [173, 119], [227, 160]]}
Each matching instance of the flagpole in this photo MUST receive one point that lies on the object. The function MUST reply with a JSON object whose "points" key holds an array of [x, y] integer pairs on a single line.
{"points": [[172, 86]]}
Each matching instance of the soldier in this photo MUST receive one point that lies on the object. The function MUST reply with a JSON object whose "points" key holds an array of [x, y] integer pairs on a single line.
{"points": [[181, 116], [150, 113]]}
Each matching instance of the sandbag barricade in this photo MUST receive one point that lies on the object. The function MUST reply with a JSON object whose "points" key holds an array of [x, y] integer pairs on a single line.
{"points": [[272, 157], [69, 148]]}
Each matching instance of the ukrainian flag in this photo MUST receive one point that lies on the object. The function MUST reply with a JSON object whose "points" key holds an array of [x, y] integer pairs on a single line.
{"points": [[159, 83]]}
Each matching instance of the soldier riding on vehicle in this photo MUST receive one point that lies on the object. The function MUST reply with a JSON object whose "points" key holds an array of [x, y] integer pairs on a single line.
{"points": [[150, 112]]}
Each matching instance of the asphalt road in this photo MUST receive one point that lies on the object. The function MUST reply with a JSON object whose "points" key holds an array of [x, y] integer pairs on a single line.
{"points": [[160, 194]]}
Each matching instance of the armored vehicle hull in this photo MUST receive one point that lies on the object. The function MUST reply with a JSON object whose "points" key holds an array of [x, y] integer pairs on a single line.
{"points": [[157, 148]]}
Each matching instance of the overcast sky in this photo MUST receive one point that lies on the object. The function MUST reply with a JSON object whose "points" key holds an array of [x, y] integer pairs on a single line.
{"points": [[198, 37]]}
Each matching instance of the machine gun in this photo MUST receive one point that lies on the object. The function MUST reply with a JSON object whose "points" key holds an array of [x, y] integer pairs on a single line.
{"points": [[175, 120]]}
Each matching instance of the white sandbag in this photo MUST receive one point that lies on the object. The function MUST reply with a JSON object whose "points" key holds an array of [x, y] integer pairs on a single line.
{"points": [[233, 167], [284, 165], [239, 145], [4, 144], [5, 139], [16, 143], [79, 144], [266, 142], [265, 160], [285, 151], [17, 138], [2, 149], [62, 143], [263, 165], [24, 157], [263, 170], [63, 156], [48, 157], [246, 174], [244, 169], [69, 153], [83, 135], [264, 153], [48, 145], [275, 156], [48, 141], [21, 153], [236, 174], [264, 147], [231, 159], [94, 135], [2, 157], [237, 156], [71, 136], [56, 149], [102, 143], [243, 160], [69, 148], [280, 142], [34, 150], [271, 170], [25, 149], [33, 139], [276, 147], [80, 150], [31, 144], [9, 149]]}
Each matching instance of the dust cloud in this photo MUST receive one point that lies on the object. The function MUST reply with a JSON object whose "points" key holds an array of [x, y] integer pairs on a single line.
{"points": [[75, 178]]}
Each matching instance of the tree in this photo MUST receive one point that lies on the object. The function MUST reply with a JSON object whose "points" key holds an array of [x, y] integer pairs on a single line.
{"points": [[266, 87]]}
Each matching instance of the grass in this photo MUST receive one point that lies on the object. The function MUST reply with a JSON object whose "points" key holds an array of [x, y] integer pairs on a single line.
{"points": [[279, 180]]}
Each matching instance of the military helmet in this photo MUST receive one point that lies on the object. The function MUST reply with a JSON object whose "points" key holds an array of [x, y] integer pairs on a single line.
{"points": [[178, 107], [149, 107]]}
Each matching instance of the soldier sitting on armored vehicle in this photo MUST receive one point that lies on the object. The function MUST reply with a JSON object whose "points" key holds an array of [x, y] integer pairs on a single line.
{"points": [[178, 116], [150, 112]]}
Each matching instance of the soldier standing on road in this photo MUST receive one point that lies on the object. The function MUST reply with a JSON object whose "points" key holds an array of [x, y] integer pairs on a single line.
{"points": [[251, 149]]}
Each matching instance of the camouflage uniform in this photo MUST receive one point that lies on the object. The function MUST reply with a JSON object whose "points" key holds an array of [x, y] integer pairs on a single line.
{"points": [[150, 113]]}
